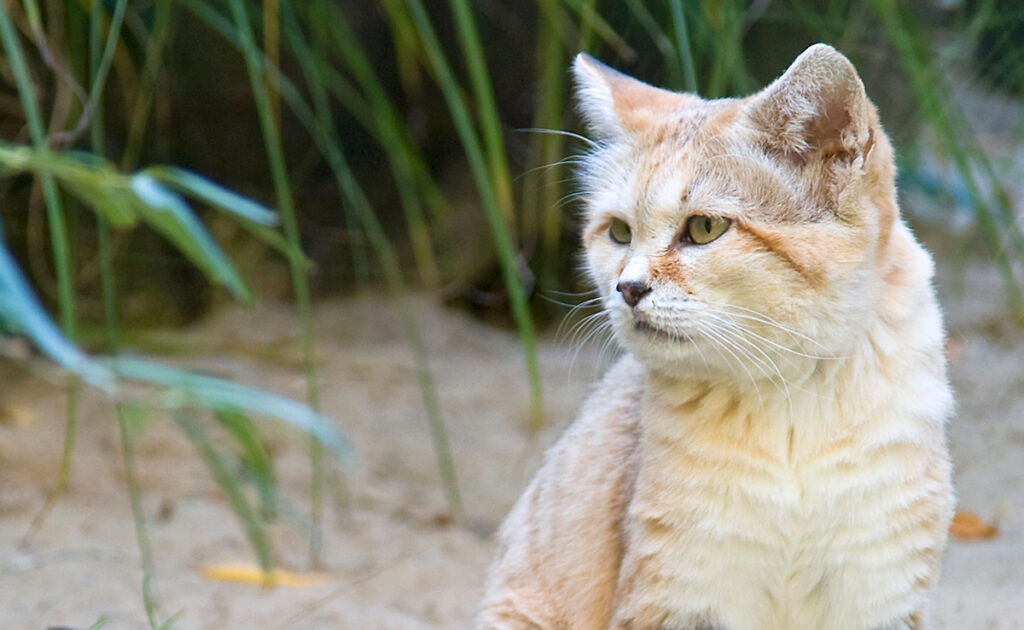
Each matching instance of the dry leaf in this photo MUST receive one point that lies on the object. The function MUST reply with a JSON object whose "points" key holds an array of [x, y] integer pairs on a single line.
{"points": [[251, 574], [970, 526]]}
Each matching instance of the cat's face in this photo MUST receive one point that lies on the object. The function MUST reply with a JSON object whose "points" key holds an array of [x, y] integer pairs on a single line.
{"points": [[741, 236]]}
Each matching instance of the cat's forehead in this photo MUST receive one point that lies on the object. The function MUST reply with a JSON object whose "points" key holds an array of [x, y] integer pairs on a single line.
{"points": [[701, 159]]}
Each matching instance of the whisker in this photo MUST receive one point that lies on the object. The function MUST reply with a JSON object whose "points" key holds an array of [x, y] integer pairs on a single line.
{"points": [[778, 345], [572, 159], [790, 386], [575, 326], [748, 313], [571, 306], [781, 384], [561, 132], [722, 344], [572, 293]]}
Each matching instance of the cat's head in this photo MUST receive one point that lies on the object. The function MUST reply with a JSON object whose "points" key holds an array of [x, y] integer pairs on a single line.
{"points": [[741, 235]]}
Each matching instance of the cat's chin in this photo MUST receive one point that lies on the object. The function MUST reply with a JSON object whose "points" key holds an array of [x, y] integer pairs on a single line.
{"points": [[649, 331], [661, 350]]}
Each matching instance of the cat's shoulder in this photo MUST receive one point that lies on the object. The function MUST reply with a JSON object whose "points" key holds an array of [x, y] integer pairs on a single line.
{"points": [[614, 401], [604, 434]]}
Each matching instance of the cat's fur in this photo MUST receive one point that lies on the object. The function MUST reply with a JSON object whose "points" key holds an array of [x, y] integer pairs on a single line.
{"points": [[770, 454]]}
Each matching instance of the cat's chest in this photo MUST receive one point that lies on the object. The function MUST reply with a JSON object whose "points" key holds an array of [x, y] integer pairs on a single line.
{"points": [[768, 534]]}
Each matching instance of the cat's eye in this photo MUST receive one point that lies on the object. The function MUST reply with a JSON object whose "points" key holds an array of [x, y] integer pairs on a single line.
{"points": [[701, 229], [620, 232]]}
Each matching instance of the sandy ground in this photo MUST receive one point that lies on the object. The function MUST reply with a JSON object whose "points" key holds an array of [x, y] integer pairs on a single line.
{"points": [[394, 560]]}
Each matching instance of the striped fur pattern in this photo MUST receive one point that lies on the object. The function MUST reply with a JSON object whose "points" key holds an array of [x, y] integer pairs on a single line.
{"points": [[770, 452]]}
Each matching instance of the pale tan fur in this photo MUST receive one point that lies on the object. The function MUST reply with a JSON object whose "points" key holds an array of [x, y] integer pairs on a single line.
{"points": [[770, 453]]}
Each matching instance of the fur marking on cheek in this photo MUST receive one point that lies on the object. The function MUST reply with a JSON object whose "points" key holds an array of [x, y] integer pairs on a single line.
{"points": [[777, 245]]}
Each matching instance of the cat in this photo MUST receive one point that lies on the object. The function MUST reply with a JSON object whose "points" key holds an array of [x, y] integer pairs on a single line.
{"points": [[770, 452]]}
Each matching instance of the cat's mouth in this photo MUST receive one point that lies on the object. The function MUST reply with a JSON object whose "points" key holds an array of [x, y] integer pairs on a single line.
{"points": [[650, 330]]}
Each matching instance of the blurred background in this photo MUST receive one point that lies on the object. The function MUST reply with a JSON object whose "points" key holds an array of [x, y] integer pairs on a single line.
{"points": [[391, 179]]}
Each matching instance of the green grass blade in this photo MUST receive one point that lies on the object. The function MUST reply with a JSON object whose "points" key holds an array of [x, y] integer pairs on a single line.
{"points": [[683, 45], [285, 202], [129, 418], [542, 188], [202, 188], [253, 526], [60, 244], [926, 84], [113, 196], [253, 455], [168, 214], [150, 605], [650, 24], [186, 389], [320, 127], [486, 107], [408, 165], [100, 66], [593, 22], [150, 71], [492, 211], [21, 312]]}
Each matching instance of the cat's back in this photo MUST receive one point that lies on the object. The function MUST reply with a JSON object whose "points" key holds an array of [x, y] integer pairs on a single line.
{"points": [[561, 546]]}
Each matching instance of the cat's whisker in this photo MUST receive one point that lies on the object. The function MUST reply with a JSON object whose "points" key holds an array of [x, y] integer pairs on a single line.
{"points": [[748, 331], [781, 384], [747, 313], [588, 325], [761, 317], [585, 329], [720, 343], [572, 293], [766, 365], [569, 198], [560, 132], [575, 159], [577, 325], [608, 350], [696, 346], [790, 385], [570, 305], [602, 327]]}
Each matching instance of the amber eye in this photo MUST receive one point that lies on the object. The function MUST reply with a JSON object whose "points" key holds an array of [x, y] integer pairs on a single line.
{"points": [[620, 232], [702, 229]]}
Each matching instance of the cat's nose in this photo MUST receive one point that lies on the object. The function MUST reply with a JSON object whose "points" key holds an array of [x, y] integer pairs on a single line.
{"points": [[632, 290]]}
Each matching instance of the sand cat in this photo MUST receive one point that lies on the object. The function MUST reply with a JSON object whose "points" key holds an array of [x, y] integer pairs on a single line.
{"points": [[770, 452]]}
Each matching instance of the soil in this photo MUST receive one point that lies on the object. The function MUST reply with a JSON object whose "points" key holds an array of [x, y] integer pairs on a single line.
{"points": [[392, 558]]}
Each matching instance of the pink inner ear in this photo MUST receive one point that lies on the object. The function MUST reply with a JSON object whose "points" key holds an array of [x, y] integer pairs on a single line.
{"points": [[817, 108], [825, 132]]}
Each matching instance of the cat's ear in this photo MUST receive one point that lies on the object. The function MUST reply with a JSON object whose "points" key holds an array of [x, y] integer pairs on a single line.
{"points": [[613, 104], [818, 108]]}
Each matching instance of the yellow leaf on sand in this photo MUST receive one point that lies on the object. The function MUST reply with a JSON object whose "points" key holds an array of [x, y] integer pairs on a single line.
{"points": [[970, 526], [252, 574]]}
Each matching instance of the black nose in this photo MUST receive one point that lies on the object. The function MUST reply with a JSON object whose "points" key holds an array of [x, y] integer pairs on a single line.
{"points": [[632, 291]]}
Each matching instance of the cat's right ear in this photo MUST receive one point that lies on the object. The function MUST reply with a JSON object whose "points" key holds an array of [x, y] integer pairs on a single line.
{"points": [[614, 105]]}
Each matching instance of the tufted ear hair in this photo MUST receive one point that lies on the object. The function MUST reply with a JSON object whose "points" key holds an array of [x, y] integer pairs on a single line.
{"points": [[614, 105], [818, 108]]}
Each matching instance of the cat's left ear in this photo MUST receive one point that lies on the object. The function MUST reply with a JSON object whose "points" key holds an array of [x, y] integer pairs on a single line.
{"points": [[818, 108], [614, 105]]}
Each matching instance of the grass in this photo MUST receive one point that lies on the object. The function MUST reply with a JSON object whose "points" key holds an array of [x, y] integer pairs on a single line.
{"points": [[315, 72]]}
